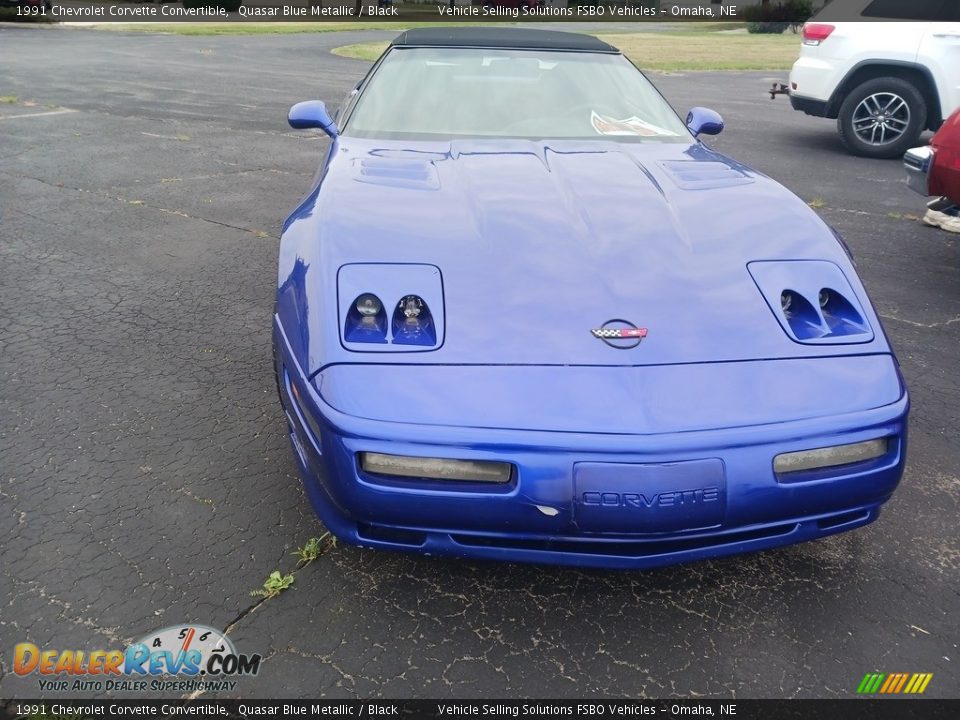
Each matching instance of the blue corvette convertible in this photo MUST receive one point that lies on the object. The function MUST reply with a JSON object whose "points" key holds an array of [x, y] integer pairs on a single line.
{"points": [[525, 314]]}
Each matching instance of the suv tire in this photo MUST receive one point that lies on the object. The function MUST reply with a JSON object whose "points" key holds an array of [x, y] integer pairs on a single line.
{"points": [[882, 118]]}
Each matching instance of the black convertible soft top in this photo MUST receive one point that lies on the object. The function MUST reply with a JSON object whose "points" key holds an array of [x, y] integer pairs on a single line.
{"points": [[494, 37]]}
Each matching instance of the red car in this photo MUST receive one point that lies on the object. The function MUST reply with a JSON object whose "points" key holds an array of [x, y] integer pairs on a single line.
{"points": [[935, 170]]}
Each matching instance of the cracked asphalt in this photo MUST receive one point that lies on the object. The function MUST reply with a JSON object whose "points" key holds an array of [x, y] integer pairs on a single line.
{"points": [[145, 478]]}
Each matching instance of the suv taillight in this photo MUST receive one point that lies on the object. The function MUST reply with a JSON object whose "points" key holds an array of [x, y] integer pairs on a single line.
{"points": [[816, 33]]}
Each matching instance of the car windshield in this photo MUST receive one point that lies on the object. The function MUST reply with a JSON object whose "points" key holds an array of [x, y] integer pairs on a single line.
{"points": [[430, 93]]}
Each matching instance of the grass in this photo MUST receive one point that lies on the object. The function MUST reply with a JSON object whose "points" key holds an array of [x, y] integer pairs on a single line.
{"points": [[674, 51], [275, 584], [252, 28], [706, 29], [277, 28], [683, 46], [361, 51], [310, 551], [708, 50]]}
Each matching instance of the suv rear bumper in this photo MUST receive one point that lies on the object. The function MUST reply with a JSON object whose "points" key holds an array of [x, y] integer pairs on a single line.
{"points": [[814, 82], [810, 106]]}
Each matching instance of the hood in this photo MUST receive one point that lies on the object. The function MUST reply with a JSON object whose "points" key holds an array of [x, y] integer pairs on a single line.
{"points": [[539, 243]]}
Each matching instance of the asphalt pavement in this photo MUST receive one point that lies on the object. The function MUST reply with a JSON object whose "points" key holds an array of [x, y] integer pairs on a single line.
{"points": [[146, 479]]}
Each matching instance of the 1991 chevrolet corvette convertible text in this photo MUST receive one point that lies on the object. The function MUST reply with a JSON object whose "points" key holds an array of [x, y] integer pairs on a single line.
{"points": [[524, 314]]}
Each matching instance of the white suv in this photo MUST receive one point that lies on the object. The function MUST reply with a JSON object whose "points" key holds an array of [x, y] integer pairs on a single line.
{"points": [[884, 82]]}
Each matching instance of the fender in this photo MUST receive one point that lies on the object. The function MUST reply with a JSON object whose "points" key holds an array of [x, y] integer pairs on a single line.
{"points": [[931, 92]]}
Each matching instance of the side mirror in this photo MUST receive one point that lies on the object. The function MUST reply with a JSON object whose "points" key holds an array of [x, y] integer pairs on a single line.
{"points": [[704, 121], [312, 114]]}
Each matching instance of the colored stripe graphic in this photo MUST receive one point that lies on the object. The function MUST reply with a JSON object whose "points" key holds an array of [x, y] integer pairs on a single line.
{"points": [[870, 683], [894, 683], [903, 679], [918, 683]]}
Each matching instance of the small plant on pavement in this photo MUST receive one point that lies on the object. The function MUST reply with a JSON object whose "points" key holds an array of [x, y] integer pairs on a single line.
{"points": [[310, 551], [274, 585]]}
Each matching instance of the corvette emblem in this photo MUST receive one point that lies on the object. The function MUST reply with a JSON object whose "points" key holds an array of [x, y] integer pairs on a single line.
{"points": [[613, 331], [620, 333]]}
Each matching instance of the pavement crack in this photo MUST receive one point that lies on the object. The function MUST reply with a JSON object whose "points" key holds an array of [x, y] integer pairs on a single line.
{"points": [[141, 203], [326, 543], [927, 326], [67, 610]]}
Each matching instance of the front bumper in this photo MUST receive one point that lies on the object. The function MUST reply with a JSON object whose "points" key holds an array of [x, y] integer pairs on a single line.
{"points": [[537, 517]]}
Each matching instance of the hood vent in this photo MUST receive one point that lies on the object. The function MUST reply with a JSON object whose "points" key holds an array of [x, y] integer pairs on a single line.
{"points": [[412, 174], [703, 174], [813, 301]]}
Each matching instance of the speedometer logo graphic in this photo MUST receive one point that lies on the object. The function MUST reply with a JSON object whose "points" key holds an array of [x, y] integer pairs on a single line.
{"points": [[183, 639]]}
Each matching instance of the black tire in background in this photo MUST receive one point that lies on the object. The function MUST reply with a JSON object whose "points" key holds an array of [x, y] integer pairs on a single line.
{"points": [[872, 99]]}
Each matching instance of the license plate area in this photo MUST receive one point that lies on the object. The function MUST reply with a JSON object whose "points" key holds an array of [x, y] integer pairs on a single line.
{"points": [[649, 498]]}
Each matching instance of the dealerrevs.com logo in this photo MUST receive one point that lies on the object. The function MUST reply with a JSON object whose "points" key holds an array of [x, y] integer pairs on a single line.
{"points": [[179, 658]]}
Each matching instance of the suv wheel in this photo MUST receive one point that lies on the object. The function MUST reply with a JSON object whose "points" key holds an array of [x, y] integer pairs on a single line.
{"points": [[882, 118]]}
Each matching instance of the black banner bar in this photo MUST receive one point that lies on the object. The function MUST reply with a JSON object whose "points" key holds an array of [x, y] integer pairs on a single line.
{"points": [[779, 13], [200, 709]]}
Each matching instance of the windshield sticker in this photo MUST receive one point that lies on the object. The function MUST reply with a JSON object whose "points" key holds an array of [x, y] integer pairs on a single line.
{"points": [[605, 125]]}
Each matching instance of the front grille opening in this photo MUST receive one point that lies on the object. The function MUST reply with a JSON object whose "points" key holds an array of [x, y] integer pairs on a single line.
{"points": [[625, 548], [394, 536], [842, 519]]}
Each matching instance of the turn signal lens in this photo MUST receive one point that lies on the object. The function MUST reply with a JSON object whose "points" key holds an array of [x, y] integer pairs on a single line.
{"points": [[304, 410], [436, 468], [830, 456]]}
